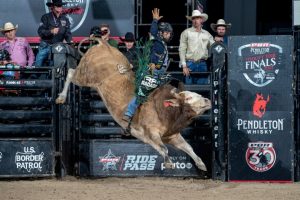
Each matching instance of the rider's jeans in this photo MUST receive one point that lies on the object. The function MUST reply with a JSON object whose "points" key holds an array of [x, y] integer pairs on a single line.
{"points": [[131, 108]]}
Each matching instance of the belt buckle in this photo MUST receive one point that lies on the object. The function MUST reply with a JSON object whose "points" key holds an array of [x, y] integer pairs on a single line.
{"points": [[200, 60]]}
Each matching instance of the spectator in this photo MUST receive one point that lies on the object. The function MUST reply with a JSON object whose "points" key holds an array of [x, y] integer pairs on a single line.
{"points": [[193, 48], [95, 32], [130, 51], [18, 47], [5, 60], [105, 35], [8, 75], [221, 28], [54, 28]]}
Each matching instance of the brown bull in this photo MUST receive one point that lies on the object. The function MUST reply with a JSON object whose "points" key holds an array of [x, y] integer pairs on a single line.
{"points": [[156, 122]]}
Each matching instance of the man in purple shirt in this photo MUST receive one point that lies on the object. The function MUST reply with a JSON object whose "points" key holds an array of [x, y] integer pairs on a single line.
{"points": [[18, 47]]}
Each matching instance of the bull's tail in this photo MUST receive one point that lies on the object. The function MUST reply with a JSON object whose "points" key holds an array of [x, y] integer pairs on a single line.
{"points": [[98, 40]]}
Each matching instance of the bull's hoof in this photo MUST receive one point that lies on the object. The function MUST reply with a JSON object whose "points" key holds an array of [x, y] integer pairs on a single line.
{"points": [[60, 100], [169, 166], [126, 132], [201, 166]]}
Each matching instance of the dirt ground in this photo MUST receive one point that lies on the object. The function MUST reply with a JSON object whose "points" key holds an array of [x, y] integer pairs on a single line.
{"points": [[143, 188]]}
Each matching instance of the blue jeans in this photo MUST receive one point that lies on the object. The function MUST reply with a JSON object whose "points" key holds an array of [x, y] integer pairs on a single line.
{"points": [[197, 67], [132, 106], [42, 55]]}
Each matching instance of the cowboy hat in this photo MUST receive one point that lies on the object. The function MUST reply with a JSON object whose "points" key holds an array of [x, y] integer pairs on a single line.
{"points": [[197, 13], [55, 3], [220, 22], [8, 26], [129, 37]]}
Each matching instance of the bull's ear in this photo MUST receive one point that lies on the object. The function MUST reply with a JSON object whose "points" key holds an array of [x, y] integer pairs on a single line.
{"points": [[171, 102]]}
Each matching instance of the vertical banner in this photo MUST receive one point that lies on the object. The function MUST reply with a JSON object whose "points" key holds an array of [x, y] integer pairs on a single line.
{"points": [[261, 106]]}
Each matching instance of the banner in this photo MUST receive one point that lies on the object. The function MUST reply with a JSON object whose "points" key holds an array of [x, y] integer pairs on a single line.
{"points": [[82, 14], [261, 106], [26, 158], [133, 158]]}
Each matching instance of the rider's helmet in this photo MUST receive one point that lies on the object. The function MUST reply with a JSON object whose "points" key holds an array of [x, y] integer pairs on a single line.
{"points": [[165, 27], [95, 30]]}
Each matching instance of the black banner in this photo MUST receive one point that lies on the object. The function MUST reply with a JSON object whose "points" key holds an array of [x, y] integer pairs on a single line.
{"points": [[83, 14], [26, 158], [261, 106], [133, 158]]}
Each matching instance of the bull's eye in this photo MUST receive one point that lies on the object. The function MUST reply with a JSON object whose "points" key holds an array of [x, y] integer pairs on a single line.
{"points": [[188, 98]]}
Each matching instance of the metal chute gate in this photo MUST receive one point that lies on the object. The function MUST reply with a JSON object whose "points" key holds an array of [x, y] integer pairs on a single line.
{"points": [[28, 123]]}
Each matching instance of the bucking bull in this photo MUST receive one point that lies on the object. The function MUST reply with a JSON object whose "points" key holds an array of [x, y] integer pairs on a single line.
{"points": [[158, 121]]}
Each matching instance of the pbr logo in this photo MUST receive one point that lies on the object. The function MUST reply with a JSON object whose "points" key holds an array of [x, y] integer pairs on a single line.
{"points": [[75, 10], [260, 156], [260, 105], [260, 62], [109, 161], [219, 48]]}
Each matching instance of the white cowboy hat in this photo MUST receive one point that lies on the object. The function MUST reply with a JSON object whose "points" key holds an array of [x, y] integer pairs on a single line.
{"points": [[8, 26], [197, 13], [220, 22]]}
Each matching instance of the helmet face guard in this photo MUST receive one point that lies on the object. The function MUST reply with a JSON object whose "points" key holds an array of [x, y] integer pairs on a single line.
{"points": [[165, 27]]}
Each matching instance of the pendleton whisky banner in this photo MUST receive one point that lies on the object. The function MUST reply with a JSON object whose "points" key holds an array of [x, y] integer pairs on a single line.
{"points": [[260, 105]]}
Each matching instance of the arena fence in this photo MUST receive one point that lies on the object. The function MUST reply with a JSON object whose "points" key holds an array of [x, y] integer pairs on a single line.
{"points": [[28, 123]]}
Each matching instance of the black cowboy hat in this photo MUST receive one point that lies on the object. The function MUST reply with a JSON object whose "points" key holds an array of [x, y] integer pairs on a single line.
{"points": [[55, 3], [129, 37]]}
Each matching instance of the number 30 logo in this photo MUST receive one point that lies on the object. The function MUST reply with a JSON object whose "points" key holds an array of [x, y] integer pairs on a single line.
{"points": [[260, 156]]}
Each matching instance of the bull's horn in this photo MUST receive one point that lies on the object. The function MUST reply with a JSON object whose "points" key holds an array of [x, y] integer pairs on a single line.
{"points": [[182, 94]]}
